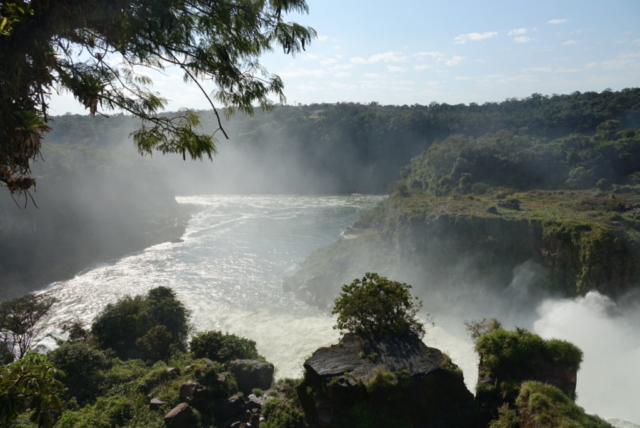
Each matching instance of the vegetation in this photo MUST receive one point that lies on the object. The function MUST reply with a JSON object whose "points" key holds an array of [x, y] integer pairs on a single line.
{"points": [[375, 306], [223, 347], [126, 358], [150, 327], [509, 358], [85, 367], [19, 320], [30, 384], [503, 350], [219, 41], [545, 406], [518, 159], [284, 410]]}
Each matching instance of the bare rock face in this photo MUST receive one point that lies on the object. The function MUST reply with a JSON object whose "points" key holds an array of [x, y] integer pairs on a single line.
{"points": [[251, 374], [388, 381]]}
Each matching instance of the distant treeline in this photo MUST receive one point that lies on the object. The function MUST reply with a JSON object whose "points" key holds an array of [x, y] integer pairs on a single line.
{"points": [[347, 147], [516, 159]]}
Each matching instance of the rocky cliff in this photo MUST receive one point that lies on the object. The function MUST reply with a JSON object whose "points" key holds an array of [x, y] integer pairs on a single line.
{"points": [[577, 241]]}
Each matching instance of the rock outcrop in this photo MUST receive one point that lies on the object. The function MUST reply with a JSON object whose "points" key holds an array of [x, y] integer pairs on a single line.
{"points": [[388, 381], [425, 240], [252, 374], [509, 358]]}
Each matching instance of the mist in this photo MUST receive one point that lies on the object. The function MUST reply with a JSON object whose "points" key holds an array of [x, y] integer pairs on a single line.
{"points": [[609, 378]]}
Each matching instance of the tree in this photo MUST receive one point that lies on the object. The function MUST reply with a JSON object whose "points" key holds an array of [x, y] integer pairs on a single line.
{"points": [[30, 383], [143, 327], [375, 306], [218, 346], [19, 320], [84, 366], [96, 49]]}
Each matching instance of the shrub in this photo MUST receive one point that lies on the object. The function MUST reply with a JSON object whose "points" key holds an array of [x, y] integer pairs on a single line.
{"points": [[223, 347], [603, 184], [281, 414], [84, 366], [476, 328], [540, 404], [381, 381], [155, 345], [136, 327], [30, 384], [374, 306], [480, 188]]}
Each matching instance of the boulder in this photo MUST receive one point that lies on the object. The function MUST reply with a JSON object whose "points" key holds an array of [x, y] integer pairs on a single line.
{"points": [[230, 408], [387, 381], [508, 358], [180, 416], [255, 402], [156, 403], [251, 374], [192, 391]]}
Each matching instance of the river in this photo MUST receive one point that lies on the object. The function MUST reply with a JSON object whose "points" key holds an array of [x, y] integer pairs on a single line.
{"points": [[228, 271]]}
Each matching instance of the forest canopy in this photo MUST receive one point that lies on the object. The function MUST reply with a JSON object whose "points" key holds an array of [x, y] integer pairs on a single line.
{"points": [[97, 49]]}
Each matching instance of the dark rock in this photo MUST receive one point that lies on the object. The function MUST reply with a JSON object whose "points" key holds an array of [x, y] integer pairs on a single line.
{"points": [[231, 408], [180, 416], [191, 391], [492, 210], [254, 420], [186, 391], [251, 374], [392, 378]]}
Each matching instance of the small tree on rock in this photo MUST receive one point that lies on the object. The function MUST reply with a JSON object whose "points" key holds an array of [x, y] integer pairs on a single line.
{"points": [[376, 306]]}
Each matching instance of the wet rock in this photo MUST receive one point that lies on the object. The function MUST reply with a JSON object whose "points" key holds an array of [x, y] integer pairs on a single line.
{"points": [[251, 374], [492, 210]]}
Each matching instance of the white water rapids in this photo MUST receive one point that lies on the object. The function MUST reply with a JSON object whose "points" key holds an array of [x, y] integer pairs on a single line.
{"points": [[229, 269]]}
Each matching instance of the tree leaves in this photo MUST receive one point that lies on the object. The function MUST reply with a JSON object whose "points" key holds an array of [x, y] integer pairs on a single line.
{"points": [[375, 306], [95, 49]]}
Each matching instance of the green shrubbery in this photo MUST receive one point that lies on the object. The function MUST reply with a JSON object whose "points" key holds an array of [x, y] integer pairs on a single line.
{"points": [[542, 405], [515, 158], [223, 347], [143, 327], [84, 366], [502, 351], [374, 306]]}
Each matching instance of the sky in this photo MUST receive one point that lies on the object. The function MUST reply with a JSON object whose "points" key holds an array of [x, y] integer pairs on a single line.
{"points": [[458, 51]]}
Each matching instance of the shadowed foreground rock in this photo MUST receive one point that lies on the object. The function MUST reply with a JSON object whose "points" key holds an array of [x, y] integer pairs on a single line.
{"points": [[389, 381], [252, 374]]}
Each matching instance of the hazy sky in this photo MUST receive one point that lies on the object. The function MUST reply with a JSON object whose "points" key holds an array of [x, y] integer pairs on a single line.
{"points": [[457, 51]]}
